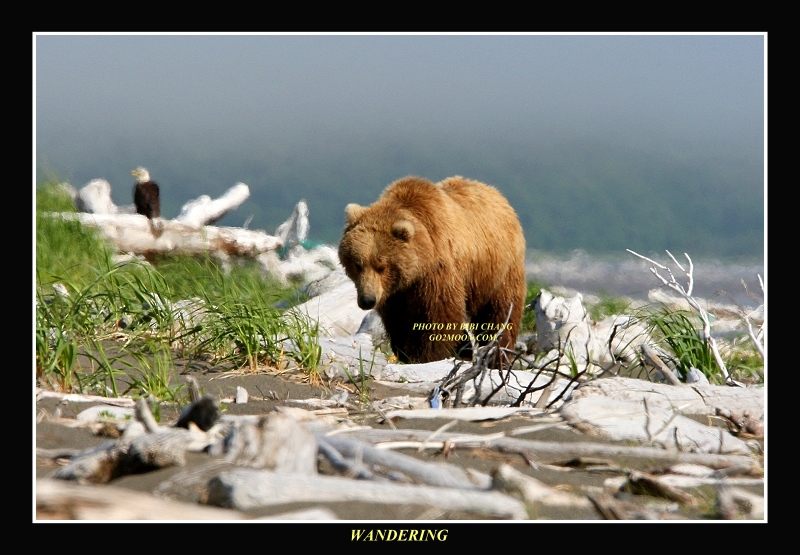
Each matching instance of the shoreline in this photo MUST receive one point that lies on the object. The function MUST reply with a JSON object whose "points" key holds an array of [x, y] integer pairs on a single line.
{"points": [[629, 276]]}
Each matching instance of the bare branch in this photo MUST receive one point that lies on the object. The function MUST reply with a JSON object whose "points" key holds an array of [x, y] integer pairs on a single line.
{"points": [[686, 293]]}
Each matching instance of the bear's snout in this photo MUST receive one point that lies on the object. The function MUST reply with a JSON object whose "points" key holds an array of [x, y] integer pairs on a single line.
{"points": [[366, 302]]}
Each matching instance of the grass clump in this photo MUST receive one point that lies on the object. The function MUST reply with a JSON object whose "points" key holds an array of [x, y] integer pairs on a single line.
{"points": [[116, 328], [608, 305], [679, 334]]}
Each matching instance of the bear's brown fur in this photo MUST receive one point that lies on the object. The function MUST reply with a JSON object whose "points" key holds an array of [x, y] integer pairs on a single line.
{"points": [[430, 258]]}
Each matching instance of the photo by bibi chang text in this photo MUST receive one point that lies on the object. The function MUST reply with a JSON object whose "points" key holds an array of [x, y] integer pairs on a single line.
{"points": [[463, 330], [439, 326], [401, 535]]}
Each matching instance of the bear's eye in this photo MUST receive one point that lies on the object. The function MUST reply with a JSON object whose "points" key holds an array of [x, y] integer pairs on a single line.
{"points": [[380, 268], [358, 268]]}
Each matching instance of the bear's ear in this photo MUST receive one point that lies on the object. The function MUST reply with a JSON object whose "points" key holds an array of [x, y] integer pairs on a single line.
{"points": [[403, 230], [353, 211]]}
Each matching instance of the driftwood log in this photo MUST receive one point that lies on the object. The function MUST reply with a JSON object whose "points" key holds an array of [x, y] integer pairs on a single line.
{"points": [[247, 488], [134, 233], [695, 399], [548, 452], [191, 232], [432, 473], [59, 500], [637, 421]]}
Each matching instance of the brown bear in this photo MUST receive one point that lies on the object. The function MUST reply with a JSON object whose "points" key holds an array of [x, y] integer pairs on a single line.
{"points": [[435, 260]]}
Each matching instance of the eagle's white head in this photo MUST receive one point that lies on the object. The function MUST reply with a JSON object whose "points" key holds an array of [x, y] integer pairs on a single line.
{"points": [[141, 174]]}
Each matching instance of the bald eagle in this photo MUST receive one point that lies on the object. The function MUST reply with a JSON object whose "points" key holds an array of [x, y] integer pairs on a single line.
{"points": [[146, 194]]}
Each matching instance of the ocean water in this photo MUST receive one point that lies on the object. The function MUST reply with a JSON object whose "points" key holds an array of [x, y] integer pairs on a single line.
{"points": [[629, 276]]}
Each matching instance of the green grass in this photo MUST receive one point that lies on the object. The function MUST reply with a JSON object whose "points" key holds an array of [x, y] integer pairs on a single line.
{"points": [[66, 251], [679, 333], [116, 329], [361, 381], [608, 305]]}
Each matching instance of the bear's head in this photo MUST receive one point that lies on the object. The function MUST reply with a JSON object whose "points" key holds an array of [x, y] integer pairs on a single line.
{"points": [[383, 251]]}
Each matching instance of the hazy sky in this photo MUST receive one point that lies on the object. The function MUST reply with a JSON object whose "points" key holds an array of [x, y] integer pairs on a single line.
{"points": [[132, 94]]}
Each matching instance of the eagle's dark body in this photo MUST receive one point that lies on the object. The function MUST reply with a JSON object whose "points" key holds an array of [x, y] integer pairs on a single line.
{"points": [[146, 195]]}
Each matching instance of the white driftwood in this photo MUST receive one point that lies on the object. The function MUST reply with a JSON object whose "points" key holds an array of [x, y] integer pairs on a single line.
{"points": [[740, 504], [428, 373], [95, 198], [299, 264], [246, 488], [677, 482], [695, 399], [474, 384], [533, 491], [334, 308], [497, 388], [125, 456], [101, 413], [567, 334], [140, 449], [275, 442], [58, 500], [471, 414], [555, 452], [295, 229], [134, 233], [637, 421], [431, 473], [78, 398], [205, 211], [650, 357], [307, 514], [190, 232]]}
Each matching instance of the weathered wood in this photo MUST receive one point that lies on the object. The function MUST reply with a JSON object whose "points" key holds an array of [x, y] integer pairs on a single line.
{"points": [[315, 513], [555, 452], [607, 506], [735, 503], [133, 233], [534, 492], [78, 398], [499, 388], [275, 442], [650, 356], [207, 211], [246, 489], [132, 455], [564, 327], [56, 500], [696, 399], [637, 421], [472, 414], [97, 465], [668, 485], [431, 473], [743, 423], [145, 416], [351, 468], [95, 198]]}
